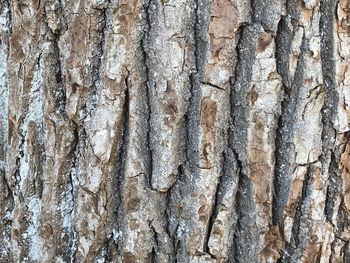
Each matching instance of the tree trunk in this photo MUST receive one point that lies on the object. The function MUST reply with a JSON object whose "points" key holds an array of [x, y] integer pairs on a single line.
{"points": [[175, 131]]}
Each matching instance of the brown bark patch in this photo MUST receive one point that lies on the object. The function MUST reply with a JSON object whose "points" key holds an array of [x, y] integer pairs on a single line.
{"points": [[253, 95], [127, 16], [345, 174], [203, 209], [312, 252], [259, 166], [169, 105], [134, 224], [208, 119], [16, 46], [222, 25], [78, 41], [264, 41], [208, 113], [343, 13], [273, 245], [296, 190], [129, 257], [345, 5], [133, 201], [133, 204]]}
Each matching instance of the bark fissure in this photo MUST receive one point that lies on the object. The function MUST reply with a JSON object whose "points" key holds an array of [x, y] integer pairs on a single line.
{"points": [[120, 166], [147, 84], [291, 247], [245, 53]]}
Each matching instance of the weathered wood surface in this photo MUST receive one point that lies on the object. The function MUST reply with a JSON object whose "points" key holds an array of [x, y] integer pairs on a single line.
{"points": [[175, 131]]}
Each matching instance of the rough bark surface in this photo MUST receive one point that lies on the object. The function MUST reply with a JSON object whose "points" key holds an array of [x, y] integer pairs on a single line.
{"points": [[175, 131]]}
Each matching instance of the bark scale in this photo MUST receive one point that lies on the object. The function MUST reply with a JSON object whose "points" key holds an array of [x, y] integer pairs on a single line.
{"points": [[174, 131]]}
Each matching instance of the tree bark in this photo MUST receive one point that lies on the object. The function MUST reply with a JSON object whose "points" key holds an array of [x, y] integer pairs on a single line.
{"points": [[175, 131]]}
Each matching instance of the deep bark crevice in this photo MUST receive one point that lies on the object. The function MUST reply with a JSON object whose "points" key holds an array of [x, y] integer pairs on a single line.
{"points": [[295, 239], [283, 46], [143, 45], [240, 111]]}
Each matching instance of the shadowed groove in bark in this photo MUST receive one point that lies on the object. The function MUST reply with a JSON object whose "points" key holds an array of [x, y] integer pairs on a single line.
{"points": [[283, 49], [283, 45], [54, 38], [96, 70], [294, 244], [105, 21], [189, 170], [245, 236], [147, 85], [73, 171], [241, 237], [284, 139], [214, 211], [191, 118], [328, 9], [330, 152], [61, 98], [231, 142], [333, 188], [343, 224], [121, 153], [285, 169], [9, 22]]}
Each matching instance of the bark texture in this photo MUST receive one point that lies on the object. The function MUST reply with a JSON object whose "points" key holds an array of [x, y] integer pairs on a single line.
{"points": [[175, 131]]}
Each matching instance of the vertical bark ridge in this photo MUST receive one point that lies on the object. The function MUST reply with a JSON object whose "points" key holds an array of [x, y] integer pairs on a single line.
{"points": [[169, 86], [138, 223], [304, 158], [26, 136], [83, 79], [256, 80], [58, 230], [168, 83]]}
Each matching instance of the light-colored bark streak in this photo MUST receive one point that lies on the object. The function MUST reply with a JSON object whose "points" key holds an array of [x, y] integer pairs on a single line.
{"points": [[55, 154], [264, 100], [343, 201], [5, 195], [138, 221], [24, 164], [4, 90], [342, 56], [170, 61], [98, 127]]}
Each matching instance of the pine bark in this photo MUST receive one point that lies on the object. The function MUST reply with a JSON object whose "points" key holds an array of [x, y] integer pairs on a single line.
{"points": [[175, 131]]}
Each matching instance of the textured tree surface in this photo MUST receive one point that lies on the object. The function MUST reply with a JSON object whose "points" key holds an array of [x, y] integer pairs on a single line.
{"points": [[175, 131]]}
